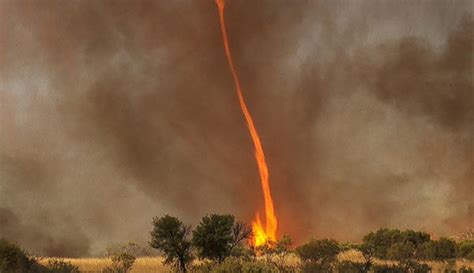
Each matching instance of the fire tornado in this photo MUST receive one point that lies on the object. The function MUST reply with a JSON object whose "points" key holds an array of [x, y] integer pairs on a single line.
{"points": [[262, 234]]}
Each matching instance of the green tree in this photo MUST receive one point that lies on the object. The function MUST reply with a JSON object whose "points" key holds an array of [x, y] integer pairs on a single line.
{"points": [[217, 236], [171, 236]]}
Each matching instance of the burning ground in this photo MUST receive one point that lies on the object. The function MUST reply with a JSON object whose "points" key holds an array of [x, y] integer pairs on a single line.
{"points": [[112, 112]]}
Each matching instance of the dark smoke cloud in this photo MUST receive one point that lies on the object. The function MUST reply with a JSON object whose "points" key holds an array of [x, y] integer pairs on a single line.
{"points": [[112, 112]]}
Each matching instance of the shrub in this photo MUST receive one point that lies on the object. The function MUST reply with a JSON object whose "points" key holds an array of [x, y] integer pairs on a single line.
{"points": [[13, 259], [315, 267], [351, 267], [171, 236], [404, 267], [230, 265], [278, 252], [320, 251], [60, 266], [446, 249], [466, 250], [396, 244], [401, 251], [417, 238], [243, 252], [259, 267], [121, 263], [382, 240], [415, 267], [389, 269], [450, 267], [235, 265], [443, 249], [318, 255], [407, 266], [346, 246]]}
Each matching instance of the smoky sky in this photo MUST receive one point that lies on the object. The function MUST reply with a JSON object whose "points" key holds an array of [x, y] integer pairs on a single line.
{"points": [[112, 112]]}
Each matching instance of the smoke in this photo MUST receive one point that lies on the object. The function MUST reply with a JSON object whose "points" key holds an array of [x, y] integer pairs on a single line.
{"points": [[114, 112]]}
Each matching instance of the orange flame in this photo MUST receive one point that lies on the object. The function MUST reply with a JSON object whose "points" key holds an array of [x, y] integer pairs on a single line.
{"points": [[261, 235]]}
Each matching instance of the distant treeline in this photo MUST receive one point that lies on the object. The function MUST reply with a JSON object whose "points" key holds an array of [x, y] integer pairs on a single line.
{"points": [[394, 244], [224, 245]]}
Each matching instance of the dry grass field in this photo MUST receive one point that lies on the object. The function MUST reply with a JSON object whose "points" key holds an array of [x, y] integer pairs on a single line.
{"points": [[95, 265], [154, 264]]}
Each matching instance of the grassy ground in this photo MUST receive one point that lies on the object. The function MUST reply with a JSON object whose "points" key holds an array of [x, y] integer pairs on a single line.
{"points": [[154, 265], [95, 265]]}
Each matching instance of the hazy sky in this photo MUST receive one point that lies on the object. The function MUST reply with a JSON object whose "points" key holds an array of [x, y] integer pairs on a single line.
{"points": [[112, 112]]}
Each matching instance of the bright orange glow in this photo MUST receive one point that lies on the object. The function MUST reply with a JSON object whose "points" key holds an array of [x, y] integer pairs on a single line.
{"points": [[261, 235]]}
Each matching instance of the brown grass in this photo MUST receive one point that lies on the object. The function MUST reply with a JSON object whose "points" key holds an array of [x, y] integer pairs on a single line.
{"points": [[154, 264], [95, 265]]}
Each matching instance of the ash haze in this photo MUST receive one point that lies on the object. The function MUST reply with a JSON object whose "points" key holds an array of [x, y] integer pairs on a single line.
{"points": [[112, 112]]}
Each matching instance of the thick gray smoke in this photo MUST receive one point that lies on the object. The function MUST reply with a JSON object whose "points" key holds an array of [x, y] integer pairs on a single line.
{"points": [[112, 112]]}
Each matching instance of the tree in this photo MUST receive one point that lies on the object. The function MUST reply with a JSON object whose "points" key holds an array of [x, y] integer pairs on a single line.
{"points": [[396, 244], [171, 236], [217, 236]]}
